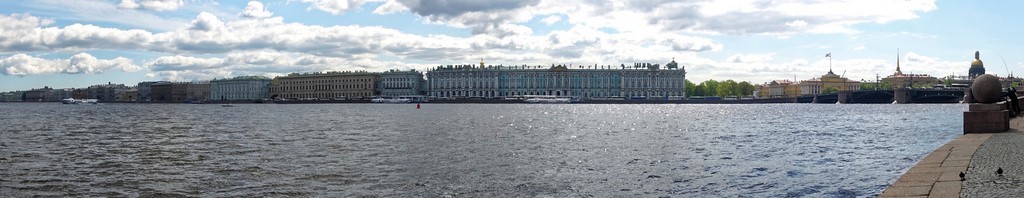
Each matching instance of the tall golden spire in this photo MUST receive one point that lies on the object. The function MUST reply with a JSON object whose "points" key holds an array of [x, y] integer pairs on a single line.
{"points": [[898, 60], [481, 62]]}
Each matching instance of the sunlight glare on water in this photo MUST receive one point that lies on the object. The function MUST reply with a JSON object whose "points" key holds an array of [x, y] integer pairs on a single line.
{"points": [[474, 150]]}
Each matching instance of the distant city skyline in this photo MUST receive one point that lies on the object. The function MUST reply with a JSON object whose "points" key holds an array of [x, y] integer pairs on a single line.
{"points": [[77, 43]]}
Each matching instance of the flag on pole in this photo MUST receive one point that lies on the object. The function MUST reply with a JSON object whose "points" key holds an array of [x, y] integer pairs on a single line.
{"points": [[828, 55]]}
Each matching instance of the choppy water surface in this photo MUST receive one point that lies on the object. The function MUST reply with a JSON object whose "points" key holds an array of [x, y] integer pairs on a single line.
{"points": [[474, 150]]}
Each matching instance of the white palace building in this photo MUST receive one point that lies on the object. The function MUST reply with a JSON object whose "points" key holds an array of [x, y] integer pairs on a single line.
{"points": [[640, 81]]}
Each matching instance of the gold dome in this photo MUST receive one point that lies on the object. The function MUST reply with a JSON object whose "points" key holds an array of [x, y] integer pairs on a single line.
{"points": [[977, 63], [977, 60]]}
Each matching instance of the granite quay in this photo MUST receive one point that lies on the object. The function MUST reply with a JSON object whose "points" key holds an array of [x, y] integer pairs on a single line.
{"points": [[985, 162]]}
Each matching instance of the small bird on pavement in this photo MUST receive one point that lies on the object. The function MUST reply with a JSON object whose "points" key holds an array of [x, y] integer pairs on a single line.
{"points": [[961, 176], [999, 171]]}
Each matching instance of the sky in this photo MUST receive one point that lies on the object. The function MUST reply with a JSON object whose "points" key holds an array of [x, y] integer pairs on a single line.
{"points": [[77, 43]]}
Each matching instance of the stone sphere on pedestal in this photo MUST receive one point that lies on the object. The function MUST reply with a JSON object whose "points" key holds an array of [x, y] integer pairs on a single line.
{"points": [[986, 89]]}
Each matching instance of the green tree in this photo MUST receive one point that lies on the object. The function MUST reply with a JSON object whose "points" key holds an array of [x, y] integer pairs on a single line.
{"points": [[829, 90], [710, 87], [727, 88], [691, 89], [746, 88], [867, 86]]}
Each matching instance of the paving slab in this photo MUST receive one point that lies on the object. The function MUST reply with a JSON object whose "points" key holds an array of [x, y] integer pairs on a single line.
{"points": [[1002, 150], [938, 173]]}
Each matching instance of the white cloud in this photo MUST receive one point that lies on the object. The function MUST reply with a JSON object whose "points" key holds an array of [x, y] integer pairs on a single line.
{"points": [[208, 34], [267, 63], [483, 17], [749, 58], [797, 24], [860, 47], [389, 7], [710, 17], [300, 47], [128, 4], [914, 57], [921, 64], [255, 9], [551, 19], [82, 63], [102, 11], [207, 22], [155, 5], [780, 17], [335, 7], [919, 35], [172, 63]]}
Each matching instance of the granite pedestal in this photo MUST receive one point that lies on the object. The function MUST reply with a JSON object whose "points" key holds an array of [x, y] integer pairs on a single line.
{"points": [[986, 118]]}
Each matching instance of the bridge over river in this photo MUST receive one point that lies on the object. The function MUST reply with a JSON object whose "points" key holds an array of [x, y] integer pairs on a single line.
{"points": [[902, 96]]}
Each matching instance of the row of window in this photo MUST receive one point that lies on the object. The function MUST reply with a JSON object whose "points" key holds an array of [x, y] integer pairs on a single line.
{"points": [[542, 84], [547, 74], [576, 93], [397, 79], [238, 96], [333, 81], [234, 89], [327, 95], [397, 85], [327, 87]]}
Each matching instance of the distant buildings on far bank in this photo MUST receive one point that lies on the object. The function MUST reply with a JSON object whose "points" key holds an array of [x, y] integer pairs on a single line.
{"points": [[830, 82], [596, 82], [102, 92], [786, 88], [240, 88], [639, 81]]}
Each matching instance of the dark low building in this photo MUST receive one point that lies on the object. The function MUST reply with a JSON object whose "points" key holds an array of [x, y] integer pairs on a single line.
{"points": [[179, 92], [145, 92], [44, 94], [13, 96], [107, 92], [161, 92]]}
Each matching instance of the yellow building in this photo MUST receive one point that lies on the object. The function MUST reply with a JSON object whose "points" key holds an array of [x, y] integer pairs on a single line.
{"points": [[776, 89], [792, 90], [816, 86], [813, 86], [325, 85]]}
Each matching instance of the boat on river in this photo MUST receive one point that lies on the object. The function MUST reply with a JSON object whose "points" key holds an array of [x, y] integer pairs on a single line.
{"points": [[79, 101], [390, 100], [546, 99], [399, 99]]}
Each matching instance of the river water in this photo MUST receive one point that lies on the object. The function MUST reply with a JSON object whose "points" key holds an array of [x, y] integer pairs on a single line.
{"points": [[465, 150]]}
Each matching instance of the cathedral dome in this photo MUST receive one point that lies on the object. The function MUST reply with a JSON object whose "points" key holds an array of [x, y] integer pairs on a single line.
{"points": [[977, 68], [977, 60]]}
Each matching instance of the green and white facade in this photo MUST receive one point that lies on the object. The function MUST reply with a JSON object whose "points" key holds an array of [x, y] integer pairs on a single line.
{"points": [[401, 83], [642, 80], [240, 88]]}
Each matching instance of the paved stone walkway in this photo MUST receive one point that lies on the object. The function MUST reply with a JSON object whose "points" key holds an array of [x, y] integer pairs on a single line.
{"points": [[1003, 150], [978, 156], [938, 174]]}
